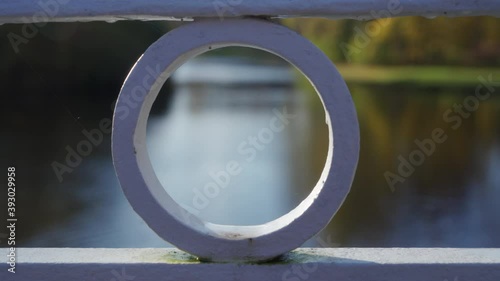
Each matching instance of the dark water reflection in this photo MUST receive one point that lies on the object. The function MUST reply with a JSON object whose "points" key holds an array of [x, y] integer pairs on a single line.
{"points": [[449, 200]]}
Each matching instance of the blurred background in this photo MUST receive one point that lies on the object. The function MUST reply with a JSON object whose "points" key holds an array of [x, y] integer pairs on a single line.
{"points": [[407, 76]]}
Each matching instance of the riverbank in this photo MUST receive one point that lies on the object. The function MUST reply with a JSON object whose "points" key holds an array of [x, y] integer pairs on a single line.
{"points": [[423, 75]]}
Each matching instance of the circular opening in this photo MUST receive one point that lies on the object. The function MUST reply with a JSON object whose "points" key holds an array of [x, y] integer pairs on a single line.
{"points": [[237, 136], [169, 219]]}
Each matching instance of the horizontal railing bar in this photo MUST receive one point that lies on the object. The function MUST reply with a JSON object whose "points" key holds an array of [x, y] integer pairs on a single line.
{"points": [[349, 264], [25, 11]]}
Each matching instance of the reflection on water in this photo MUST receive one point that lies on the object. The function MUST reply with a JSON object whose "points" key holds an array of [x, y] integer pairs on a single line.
{"points": [[226, 158], [449, 200]]}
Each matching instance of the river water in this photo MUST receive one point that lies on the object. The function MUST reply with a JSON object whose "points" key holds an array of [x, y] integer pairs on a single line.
{"points": [[449, 200]]}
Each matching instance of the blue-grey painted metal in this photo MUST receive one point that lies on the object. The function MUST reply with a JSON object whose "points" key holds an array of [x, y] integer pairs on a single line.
{"points": [[346, 264], [179, 226], [23, 11]]}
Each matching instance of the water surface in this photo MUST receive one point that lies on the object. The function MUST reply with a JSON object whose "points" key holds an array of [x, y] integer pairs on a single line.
{"points": [[450, 200]]}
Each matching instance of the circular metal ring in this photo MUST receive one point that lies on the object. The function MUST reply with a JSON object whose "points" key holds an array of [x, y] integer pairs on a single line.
{"points": [[167, 218]]}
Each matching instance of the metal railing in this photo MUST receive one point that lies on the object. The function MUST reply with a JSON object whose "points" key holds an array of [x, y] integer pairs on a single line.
{"points": [[29, 11], [250, 252]]}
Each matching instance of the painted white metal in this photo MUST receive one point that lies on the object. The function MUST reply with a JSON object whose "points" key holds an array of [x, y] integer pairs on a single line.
{"points": [[315, 264], [177, 225], [346, 264], [22, 11]]}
